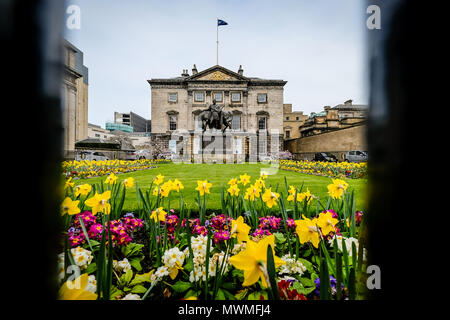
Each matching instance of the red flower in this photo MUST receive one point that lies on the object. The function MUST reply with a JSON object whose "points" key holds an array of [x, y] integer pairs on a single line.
{"points": [[286, 294]]}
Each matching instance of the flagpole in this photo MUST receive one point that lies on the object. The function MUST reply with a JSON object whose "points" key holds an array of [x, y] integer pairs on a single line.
{"points": [[217, 42]]}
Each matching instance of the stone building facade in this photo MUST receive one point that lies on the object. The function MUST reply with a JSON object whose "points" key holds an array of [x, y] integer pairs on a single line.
{"points": [[256, 105], [292, 121], [339, 117], [75, 96]]}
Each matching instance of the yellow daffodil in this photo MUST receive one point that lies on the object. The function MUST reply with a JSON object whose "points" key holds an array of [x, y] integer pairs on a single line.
{"points": [[337, 188], [270, 198], [326, 222], [292, 190], [252, 193], [128, 182], [69, 207], [76, 290], [233, 190], [158, 214], [99, 203], [203, 187], [244, 179], [158, 180], [166, 188], [263, 175], [177, 185], [308, 231], [111, 179], [69, 183], [83, 189], [156, 191], [233, 181], [240, 229], [260, 183], [253, 260]]}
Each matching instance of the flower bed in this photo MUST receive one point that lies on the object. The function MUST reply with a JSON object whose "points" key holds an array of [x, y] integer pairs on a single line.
{"points": [[330, 169], [263, 244], [89, 169]]}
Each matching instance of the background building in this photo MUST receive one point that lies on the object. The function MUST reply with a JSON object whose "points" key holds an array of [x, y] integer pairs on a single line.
{"points": [[75, 98], [256, 105], [336, 130], [134, 120], [339, 117], [292, 121]]}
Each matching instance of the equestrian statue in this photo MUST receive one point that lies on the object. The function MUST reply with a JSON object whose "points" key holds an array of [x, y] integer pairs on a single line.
{"points": [[215, 118]]}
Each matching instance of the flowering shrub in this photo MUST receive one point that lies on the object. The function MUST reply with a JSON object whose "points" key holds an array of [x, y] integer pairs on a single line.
{"points": [[329, 169], [89, 169], [264, 243]]}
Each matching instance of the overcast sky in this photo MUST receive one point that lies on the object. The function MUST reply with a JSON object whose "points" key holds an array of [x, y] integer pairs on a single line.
{"points": [[317, 46]]}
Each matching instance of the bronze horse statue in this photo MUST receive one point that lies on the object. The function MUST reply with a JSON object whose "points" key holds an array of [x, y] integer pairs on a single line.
{"points": [[219, 122]]}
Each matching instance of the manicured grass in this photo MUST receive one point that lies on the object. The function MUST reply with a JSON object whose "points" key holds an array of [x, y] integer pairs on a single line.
{"points": [[220, 174]]}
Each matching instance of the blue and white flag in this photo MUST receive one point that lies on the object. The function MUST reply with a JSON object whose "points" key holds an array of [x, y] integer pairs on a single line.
{"points": [[221, 22]]}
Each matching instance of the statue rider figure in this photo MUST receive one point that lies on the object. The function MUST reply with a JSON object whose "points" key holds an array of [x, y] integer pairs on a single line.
{"points": [[215, 114]]}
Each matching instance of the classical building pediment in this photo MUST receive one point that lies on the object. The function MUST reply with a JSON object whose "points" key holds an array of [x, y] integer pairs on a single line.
{"points": [[217, 73]]}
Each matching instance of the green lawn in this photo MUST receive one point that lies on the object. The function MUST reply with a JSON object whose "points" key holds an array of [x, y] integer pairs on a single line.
{"points": [[219, 174]]}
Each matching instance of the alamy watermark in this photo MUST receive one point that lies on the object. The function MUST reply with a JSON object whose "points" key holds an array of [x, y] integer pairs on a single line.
{"points": [[73, 20], [374, 20]]}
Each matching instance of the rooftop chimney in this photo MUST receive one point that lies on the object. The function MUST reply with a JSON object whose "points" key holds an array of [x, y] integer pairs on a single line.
{"points": [[194, 70], [185, 73], [326, 108], [348, 102], [240, 71]]}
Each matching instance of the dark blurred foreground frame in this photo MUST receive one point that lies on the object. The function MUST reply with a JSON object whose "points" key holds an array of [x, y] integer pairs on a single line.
{"points": [[397, 194], [30, 37], [31, 55]]}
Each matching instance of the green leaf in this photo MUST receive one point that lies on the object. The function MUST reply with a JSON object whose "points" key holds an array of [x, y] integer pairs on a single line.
{"points": [[191, 293], [279, 237], [220, 295], [140, 278], [307, 282], [308, 265], [181, 286], [136, 263], [325, 285], [188, 266], [126, 278], [271, 272], [303, 288], [91, 268], [115, 292], [240, 295], [138, 289]]}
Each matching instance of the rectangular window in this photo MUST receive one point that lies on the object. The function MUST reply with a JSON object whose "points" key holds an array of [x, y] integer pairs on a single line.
{"points": [[297, 118], [236, 97], [262, 123], [199, 97], [287, 118], [173, 97], [288, 134], [262, 145], [218, 96], [97, 135], [262, 97], [172, 123], [236, 122]]}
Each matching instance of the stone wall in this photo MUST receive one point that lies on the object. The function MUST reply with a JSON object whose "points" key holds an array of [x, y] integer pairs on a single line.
{"points": [[338, 142]]}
